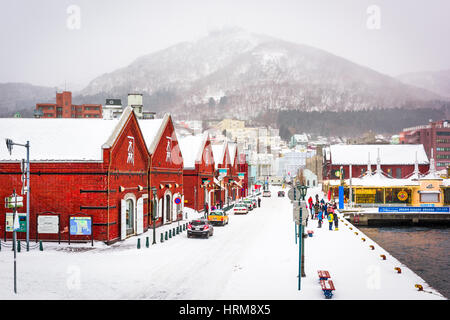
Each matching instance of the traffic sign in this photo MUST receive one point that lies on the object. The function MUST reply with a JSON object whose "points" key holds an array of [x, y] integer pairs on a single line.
{"points": [[296, 213], [13, 201]]}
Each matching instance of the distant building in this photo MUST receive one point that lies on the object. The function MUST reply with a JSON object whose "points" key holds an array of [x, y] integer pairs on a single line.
{"points": [[63, 108], [396, 161], [112, 109], [434, 136], [297, 139]]}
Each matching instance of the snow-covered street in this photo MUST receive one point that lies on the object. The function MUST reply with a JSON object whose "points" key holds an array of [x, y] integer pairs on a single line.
{"points": [[253, 257]]}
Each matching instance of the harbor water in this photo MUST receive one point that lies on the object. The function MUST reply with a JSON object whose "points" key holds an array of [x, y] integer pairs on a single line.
{"points": [[424, 250]]}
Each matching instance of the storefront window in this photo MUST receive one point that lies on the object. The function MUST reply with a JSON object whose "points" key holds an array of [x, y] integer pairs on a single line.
{"points": [[447, 196], [429, 197], [398, 195]]}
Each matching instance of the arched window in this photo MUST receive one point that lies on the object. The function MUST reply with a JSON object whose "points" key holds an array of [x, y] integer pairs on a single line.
{"points": [[168, 207], [130, 216]]}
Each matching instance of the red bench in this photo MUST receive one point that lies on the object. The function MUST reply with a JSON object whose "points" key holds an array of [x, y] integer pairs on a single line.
{"points": [[323, 274], [327, 288]]}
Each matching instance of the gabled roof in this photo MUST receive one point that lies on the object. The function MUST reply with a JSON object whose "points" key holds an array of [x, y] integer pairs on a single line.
{"points": [[191, 148], [60, 139], [392, 154], [152, 130], [219, 152], [232, 148]]}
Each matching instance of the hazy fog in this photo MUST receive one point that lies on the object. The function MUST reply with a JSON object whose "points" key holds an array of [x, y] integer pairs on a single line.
{"points": [[50, 42]]}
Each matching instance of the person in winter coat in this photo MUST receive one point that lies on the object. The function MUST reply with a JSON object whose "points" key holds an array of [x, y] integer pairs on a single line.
{"points": [[206, 209], [316, 210], [320, 217], [330, 220], [259, 202], [336, 221]]}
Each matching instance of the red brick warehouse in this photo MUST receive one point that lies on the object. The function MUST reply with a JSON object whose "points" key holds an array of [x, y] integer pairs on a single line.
{"points": [[96, 167], [222, 164], [165, 171], [234, 181], [198, 171]]}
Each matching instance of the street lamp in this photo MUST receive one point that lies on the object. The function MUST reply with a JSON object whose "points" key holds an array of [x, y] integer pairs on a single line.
{"points": [[155, 208], [302, 188], [301, 247], [9, 145]]}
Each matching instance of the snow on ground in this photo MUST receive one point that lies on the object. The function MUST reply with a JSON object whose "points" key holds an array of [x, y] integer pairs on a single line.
{"points": [[253, 257]]}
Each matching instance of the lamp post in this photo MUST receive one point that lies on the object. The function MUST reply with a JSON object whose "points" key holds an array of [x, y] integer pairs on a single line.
{"points": [[301, 254], [155, 208], [9, 145]]}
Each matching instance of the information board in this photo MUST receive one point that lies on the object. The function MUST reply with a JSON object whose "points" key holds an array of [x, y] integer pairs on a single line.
{"points": [[80, 226], [10, 222], [48, 224]]}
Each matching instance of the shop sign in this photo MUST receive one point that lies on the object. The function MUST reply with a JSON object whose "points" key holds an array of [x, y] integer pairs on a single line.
{"points": [[402, 195], [365, 191]]}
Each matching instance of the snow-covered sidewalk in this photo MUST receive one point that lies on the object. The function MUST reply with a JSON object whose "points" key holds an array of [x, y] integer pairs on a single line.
{"points": [[253, 257]]}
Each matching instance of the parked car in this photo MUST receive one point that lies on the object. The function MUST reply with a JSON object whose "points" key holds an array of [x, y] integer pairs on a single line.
{"points": [[200, 227], [249, 204], [281, 193], [266, 193], [218, 217], [240, 208]]}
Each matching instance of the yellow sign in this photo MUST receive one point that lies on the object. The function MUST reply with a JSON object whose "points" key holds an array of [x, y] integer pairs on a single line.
{"points": [[402, 195], [365, 191]]}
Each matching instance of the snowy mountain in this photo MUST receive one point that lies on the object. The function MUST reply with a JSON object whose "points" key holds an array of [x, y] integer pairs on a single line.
{"points": [[435, 81], [22, 97], [238, 73]]}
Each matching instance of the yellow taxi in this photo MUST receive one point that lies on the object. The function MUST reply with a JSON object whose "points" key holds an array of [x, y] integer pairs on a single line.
{"points": [[218, 217]]}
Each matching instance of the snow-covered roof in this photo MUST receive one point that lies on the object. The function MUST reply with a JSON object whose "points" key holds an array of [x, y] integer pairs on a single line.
{"points": [[218, 151], [152, 129], [389, 154], [191, 148], [60, 139], [232, 148]]}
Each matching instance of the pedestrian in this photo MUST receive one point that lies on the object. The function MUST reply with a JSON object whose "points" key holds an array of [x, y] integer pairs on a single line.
{"points": [[221, 204], [336, 221], [320, 217], [316, 209], [259, 202], [206, 209], [330, 220]]}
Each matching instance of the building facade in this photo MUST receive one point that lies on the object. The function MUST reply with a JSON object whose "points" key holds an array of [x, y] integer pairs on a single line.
{"points": [[397, 161], [63, 108], [80, 169], [435, 138], [198, 171]]}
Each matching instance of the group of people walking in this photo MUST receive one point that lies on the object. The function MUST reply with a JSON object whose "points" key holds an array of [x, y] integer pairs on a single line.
{"points": [[320, 210]]}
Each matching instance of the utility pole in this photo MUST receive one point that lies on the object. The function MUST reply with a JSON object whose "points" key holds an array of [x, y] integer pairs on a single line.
{"points": [[9, 145]]}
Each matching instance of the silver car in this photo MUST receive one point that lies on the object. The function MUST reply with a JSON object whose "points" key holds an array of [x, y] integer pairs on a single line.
{"points": [[200, 227]]}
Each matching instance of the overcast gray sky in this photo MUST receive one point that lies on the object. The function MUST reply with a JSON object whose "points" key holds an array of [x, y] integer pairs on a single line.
{"points": [[44, 43]]}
